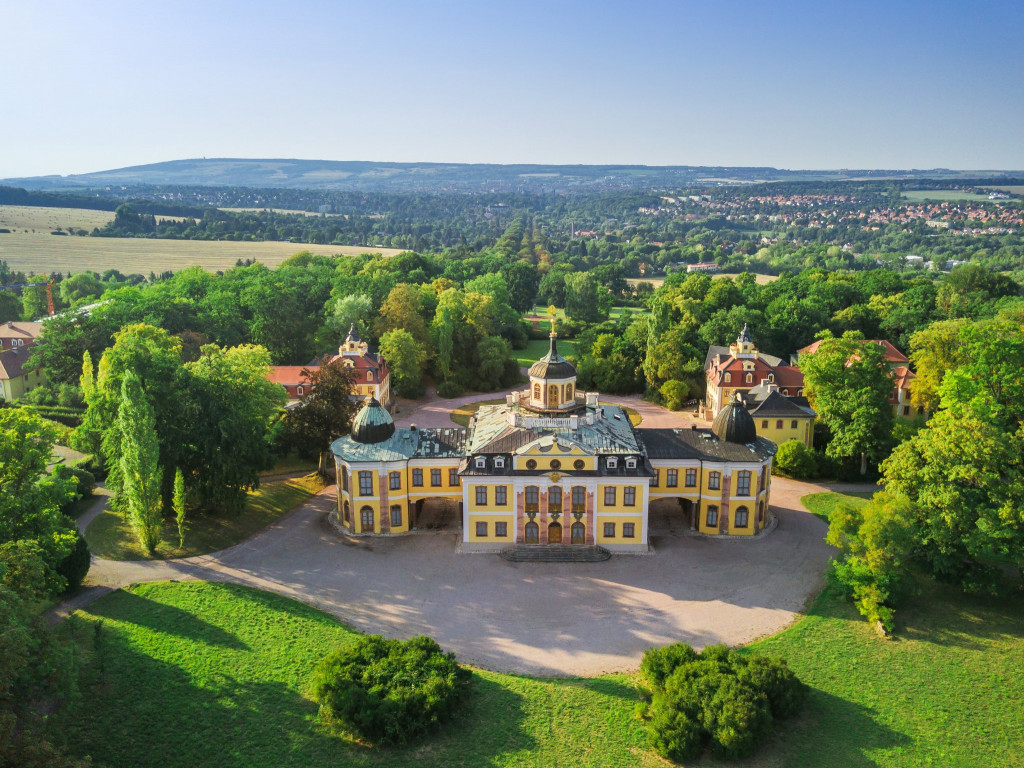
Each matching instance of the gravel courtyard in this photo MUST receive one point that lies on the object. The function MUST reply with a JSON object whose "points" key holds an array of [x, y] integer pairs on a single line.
{"points": [[533, 618]]}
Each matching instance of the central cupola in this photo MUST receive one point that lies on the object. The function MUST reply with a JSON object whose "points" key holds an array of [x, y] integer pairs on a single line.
{"points": [[553, 380]]}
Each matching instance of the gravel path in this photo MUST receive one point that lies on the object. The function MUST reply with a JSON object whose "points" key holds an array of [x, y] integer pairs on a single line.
{"points": [[533, 618]]}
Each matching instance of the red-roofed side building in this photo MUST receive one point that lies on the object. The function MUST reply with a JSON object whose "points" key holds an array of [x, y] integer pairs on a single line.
{"points": [[372, 377], [741, 367]]}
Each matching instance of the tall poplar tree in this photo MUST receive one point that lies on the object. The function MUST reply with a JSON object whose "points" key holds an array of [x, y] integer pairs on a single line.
{"points": [[139, 475]]}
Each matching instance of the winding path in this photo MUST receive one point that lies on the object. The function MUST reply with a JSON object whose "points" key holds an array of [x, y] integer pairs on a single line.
{"points": [[533, 618]]}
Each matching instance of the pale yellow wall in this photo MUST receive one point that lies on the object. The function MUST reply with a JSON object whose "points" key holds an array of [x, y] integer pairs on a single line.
{"points": [[618, 538], [446, 489], [16, 388], [491, 496], [804, 431], [509, 521], [619, 494]]}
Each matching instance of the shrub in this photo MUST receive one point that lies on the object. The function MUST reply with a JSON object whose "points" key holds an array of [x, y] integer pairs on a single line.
{"points": [[389, 691], [720, 698], [86, 480], [75, 566], [794, 459]]}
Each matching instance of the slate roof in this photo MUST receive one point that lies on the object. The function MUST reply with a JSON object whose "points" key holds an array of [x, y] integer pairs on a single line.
{"points": [[779, 406], [446, 442], [703, 445], [610, 434]]}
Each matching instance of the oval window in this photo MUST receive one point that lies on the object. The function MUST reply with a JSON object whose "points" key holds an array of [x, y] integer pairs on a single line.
{"points": [[531, 464], [556, 464], [578, 464]]}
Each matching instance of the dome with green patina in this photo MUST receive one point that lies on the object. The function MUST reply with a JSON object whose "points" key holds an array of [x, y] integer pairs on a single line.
{"points": [[373, 423], [734, 424]]}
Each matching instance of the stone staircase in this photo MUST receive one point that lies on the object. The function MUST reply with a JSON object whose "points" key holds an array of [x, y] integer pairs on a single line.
{"points": [[555, 553]]}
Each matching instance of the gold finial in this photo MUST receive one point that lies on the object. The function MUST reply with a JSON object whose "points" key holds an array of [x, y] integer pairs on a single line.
{"points": [[553, 321]]}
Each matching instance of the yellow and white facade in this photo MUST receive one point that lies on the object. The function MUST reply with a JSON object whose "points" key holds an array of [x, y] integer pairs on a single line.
{"points": [[553, 466]]}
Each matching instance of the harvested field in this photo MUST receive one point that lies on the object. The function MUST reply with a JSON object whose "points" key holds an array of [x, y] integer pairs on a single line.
{"points": [[657, 281], [44, 253], [44, 220]]}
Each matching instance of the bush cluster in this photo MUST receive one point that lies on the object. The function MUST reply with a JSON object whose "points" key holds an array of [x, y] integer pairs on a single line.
{"points": [[75, 565], [389, 691], [719, 699]]}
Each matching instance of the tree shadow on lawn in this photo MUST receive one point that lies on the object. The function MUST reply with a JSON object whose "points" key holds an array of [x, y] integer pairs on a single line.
{"points": [[944, 615], [144, 711], [136, 609]]}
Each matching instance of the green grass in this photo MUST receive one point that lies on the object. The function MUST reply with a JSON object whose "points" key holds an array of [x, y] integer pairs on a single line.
{"points": [[290, 464], [821, 504], [464, 413], [918, 195], [537, 348], [217, 675], [110, 536]]}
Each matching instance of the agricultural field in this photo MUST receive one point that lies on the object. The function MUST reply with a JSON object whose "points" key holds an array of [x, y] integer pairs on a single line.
{"points": [[919, 195], [1014, 189], [22, 218], [280, 210], [658, 281], [44, 253]]}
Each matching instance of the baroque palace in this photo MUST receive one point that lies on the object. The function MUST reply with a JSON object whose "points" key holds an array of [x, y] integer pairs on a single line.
{"points": [[553, 465]]}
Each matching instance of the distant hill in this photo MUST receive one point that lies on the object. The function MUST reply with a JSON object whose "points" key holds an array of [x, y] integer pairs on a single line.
{"points": [[373, 176]]}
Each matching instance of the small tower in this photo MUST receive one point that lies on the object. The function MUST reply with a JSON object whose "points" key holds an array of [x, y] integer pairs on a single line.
{"points": [[552, 380], [744, 345], [353, 346]]}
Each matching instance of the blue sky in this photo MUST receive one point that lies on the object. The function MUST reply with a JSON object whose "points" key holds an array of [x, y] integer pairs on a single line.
{"points": [[899, 84]]}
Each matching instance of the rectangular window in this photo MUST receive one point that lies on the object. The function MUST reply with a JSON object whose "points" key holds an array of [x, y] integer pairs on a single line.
{"points": [[417, 478], [627, 530], [629, 496], [366, 484], [453, 477], [792, 424], [906, 410], [344, 479], [435, 478], [501, 530], [714, 480], [778, 424], [657, 476], [500, 495], [481, 495], [764, 423], [712, 519], [609, 496], [396, 516], [394, 481], [609, 530], [481, 529], [743, 483], [691, 478], [672, 478], [579, 498]]}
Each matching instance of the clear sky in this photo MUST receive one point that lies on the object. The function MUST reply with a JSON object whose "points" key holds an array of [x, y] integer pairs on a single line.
{"points": [[90, 86]]}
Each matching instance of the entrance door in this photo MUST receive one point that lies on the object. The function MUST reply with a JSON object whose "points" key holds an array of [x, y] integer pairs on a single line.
{"points": [[555, 533], [532, 533], [579, 533]]}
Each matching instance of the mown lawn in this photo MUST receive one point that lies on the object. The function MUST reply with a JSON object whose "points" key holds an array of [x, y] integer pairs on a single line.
{"points": [[822, 504], [537, 348], [110, 536], [216, 675]]}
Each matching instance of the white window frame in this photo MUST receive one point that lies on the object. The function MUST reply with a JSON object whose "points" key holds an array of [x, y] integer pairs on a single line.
{"points": [[481, 462], [612, 462], [499, 462]]}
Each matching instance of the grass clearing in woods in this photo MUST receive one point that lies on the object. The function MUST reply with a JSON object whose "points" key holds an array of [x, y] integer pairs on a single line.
{"points": [[110, 536]]}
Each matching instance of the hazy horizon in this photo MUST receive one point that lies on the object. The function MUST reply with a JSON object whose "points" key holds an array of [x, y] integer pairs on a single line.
{"points": [[800, 85]]}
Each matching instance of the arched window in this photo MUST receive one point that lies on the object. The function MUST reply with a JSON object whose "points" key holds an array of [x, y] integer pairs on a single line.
{"points": [[728, 377], [712, 519], [555, 533], [741, 517], [568, 392], [771, 377], [366, 520], [536, 392], [750, 378], [369, 375], [578, 533], [553, 396], [298, 391], [532, 532]]}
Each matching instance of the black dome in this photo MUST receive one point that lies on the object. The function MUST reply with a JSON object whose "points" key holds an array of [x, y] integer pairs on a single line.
{"points": [[373, 424], [552, 365], [734, 424]]}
